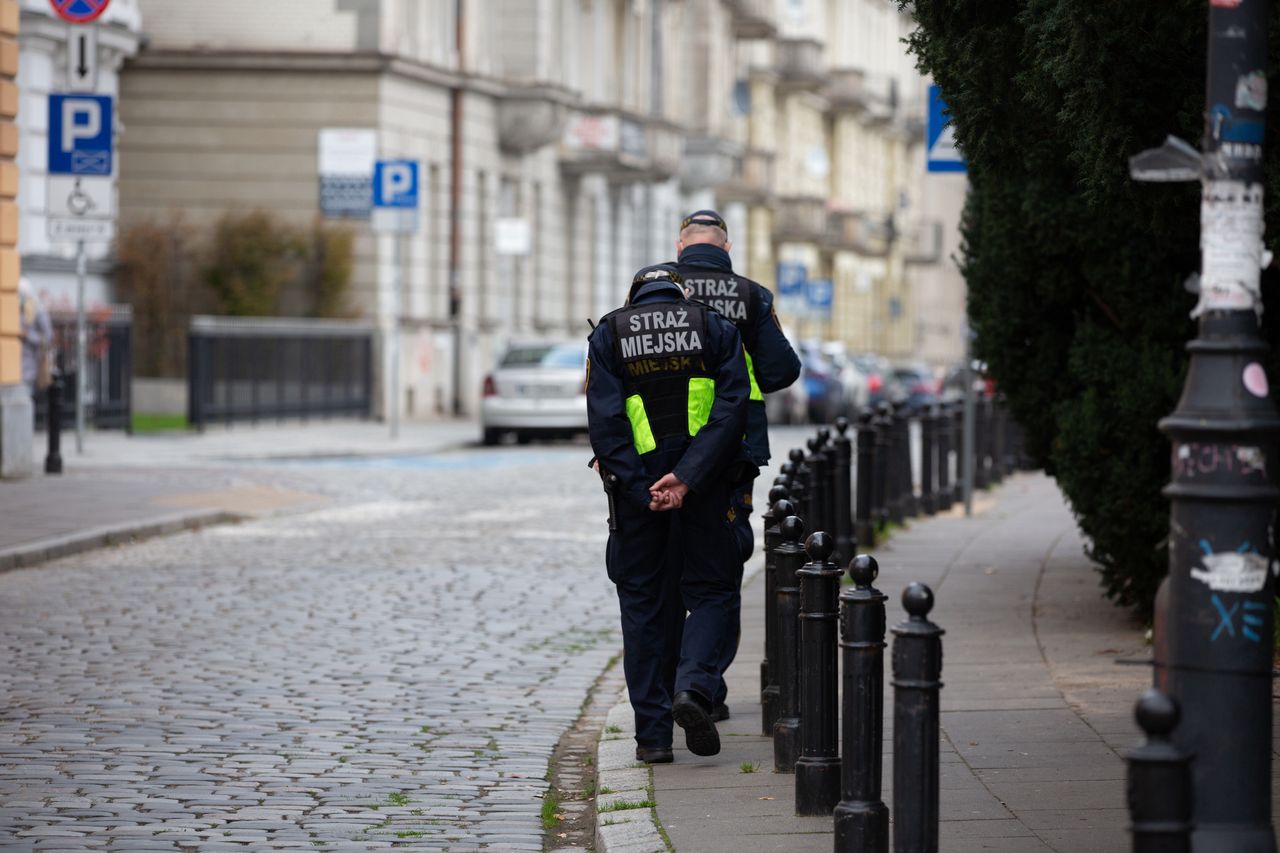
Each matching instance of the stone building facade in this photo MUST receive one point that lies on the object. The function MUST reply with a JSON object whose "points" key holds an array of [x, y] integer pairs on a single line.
{"points": [[594, 124]]}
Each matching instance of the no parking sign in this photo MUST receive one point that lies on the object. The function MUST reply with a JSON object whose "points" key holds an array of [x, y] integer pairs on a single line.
{"points": [[79, 11]]}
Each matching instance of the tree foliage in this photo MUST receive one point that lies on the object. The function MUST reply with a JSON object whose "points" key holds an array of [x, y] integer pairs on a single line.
{"points": [[1075, 272]]}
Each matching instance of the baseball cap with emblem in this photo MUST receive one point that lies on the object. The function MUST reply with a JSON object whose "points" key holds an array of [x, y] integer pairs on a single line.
{"points": [[705, 217]]}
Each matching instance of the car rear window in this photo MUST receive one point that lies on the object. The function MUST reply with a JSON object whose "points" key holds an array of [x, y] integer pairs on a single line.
{"points": [[545, 355]]}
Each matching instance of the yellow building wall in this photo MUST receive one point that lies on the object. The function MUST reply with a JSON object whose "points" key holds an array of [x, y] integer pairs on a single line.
{"points": [[10, 330]]}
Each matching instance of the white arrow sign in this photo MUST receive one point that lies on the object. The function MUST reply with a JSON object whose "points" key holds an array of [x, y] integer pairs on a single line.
{"points": [[82, 58]]}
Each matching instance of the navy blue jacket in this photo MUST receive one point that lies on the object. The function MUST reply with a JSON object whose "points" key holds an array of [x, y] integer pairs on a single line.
{"points": [[775, 363], [715, 452]]}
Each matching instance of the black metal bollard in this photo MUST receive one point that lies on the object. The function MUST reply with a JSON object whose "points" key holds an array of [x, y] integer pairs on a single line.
{"points": [[910, 507], [827, 447], [864, 529], [1159, 790], [861, 817], [53, 422], [945, 434], [842, 491], [819, 486], [882, 484], [997, 440], [957, 431], [801, 494], [917, 669], [928, 448], [789, 559], [818, 768], [779, 508]]}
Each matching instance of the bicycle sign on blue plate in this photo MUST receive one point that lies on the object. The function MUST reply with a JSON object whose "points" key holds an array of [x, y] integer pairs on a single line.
{"points": [[79, 11]]}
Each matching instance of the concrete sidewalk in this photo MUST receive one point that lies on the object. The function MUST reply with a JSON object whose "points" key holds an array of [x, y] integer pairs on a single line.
{"points": [[1041, 675], [128, 487]]}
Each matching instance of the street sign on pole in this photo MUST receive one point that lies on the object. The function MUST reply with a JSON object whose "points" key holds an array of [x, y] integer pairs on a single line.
{"points": [[940, 137], [80, 134], [395, 212], [395, 196], [79, 11], [82, 58]]}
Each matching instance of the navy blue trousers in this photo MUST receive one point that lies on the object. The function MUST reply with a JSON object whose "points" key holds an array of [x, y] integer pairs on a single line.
{"points": [[666, 651], [745, 539]]}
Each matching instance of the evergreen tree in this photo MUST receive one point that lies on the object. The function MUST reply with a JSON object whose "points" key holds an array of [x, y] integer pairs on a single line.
{"points": [[1076, 273]]}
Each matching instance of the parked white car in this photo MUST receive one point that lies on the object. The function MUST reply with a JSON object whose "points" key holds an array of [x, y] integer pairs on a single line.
{"points": [[538, 389]]}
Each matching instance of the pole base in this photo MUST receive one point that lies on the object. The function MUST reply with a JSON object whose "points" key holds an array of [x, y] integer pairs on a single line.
{"points": [[865, 533], [768, 709], [786, 744], [817, 786], [53, 464], [1233, 838], [764, 677], [861, 827]]}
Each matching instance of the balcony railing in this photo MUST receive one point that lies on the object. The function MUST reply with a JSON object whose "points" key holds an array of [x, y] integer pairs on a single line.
{"points": [[800, 63], [800, 219], [621, 146], [752, 178], [709, 161]]}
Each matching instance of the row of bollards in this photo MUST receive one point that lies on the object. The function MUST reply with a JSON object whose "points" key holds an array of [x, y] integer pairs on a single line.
{"points": [[810, 623]]}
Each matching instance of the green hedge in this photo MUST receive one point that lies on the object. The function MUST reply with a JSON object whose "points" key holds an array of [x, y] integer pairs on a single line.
{"points": [[1075, 272]]}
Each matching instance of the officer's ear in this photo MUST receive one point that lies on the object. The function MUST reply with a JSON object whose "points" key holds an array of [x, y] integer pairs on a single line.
{"points": [[679, 246], [728, 245]]}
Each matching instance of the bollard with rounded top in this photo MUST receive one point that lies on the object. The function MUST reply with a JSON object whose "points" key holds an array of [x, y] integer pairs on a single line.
{"points": [[862, 818], [53, 423], [827, 447], [789, 559], [863, 527], [883, 483], [1159, 790], [800, 492], [917, 671], [818, 768], [842, 491], [779, 508]]}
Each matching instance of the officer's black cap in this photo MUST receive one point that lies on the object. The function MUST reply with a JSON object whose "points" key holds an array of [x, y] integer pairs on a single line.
{"points": [[658, 273], [705, 217]]}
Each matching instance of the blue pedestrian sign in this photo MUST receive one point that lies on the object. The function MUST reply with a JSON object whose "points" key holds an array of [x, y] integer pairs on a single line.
{"points": [[940, 137], [791, 276], [80, 134], [395, 184]]}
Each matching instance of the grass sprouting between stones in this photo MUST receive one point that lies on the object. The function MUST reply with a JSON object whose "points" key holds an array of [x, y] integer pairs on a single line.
{"points": [[748, 767], [550, 807], [624, 805]]}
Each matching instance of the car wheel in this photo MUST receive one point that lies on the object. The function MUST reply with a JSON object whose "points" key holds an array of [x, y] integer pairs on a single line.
{"points": [[523, 438], [490, 436]]}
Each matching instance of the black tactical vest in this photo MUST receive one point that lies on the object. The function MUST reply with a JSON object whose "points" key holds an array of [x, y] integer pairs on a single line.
{"points": [[731, 295], [661, 346]]}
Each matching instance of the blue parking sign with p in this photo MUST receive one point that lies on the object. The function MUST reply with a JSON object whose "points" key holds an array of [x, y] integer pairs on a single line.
{"points": [[395, 184], [80, 134]]}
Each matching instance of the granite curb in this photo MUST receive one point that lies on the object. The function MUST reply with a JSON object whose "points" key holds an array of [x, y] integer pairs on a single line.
{"points": [[626, 816], [54, 547]]}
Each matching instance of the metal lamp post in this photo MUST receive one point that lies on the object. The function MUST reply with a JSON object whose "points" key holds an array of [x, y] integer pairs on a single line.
{"points": [[1214, 625]]}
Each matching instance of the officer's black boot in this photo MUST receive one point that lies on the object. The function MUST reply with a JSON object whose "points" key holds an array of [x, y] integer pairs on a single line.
{"points": [[693, 714]]}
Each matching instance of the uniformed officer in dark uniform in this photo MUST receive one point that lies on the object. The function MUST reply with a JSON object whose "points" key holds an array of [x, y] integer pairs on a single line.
{"points": [[667, 393], [704, 264]]}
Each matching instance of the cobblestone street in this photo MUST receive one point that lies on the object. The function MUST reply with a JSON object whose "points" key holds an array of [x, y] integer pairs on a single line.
{"points": [[391, 670]]}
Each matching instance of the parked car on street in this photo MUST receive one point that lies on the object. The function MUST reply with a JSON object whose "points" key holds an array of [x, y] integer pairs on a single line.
{"points": [[918, 385], [791, 404], [538, 389], [851, 377], [822, 382], [879, 375]]}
